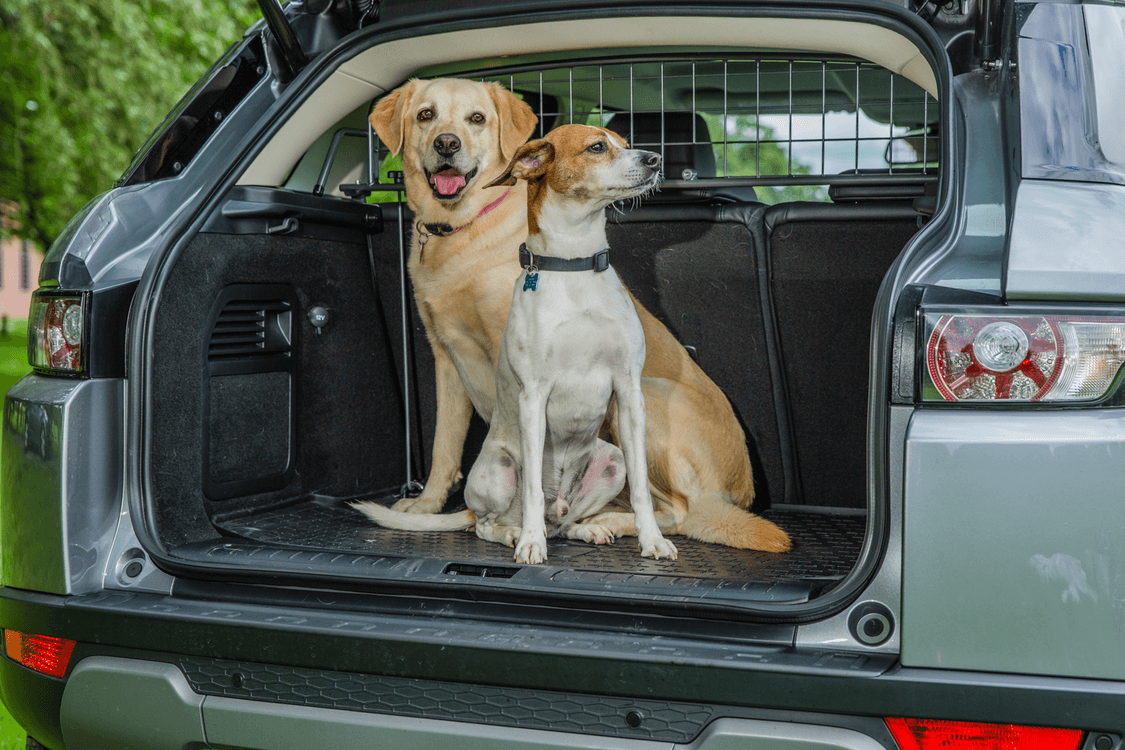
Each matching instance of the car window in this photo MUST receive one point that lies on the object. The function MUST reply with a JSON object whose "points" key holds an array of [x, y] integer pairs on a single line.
{"points": [[787, 125]]}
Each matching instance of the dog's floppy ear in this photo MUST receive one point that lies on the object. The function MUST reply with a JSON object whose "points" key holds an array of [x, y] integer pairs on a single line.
{"points": [[531, 160], [517, 120], [389, 118]]}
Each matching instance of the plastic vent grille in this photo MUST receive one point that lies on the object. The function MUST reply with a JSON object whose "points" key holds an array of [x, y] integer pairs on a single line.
{"points": [[245, 328]]}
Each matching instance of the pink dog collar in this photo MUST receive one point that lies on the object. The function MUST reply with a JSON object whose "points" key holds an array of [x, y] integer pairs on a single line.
{"points": [[444, 230]]}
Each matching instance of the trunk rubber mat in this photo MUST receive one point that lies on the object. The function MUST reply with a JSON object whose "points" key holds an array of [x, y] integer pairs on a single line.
{"points": [[826, 544]]}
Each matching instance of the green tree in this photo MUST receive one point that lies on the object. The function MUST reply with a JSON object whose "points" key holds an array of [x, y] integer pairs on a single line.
{"points": [[83, 82], [764, 158]]}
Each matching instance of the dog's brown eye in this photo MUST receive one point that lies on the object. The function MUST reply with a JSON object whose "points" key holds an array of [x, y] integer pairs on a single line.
{"points": [[598, 147], [477, 118], [425, 114]]}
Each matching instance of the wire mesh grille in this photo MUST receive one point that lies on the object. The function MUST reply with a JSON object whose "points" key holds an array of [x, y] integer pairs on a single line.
{"points": [[741, 121], [792, 120]]}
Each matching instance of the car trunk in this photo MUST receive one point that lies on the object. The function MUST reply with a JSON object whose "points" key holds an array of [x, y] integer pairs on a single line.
{"points": [[265, 426], [286, 384]]}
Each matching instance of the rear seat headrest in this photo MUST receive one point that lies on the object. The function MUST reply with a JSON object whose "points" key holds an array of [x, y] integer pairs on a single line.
{"points": [[683, 149]]}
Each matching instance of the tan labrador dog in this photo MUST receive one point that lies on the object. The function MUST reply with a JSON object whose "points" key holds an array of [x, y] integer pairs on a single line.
{"points": [[455, 136]]}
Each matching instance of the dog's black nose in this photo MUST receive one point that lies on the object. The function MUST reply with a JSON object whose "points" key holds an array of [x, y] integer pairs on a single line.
{"points": [[651, 160], [447, 144]]}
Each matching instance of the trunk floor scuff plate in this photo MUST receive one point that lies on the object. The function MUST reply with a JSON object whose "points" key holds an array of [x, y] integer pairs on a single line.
{"points": [[826, 544]]}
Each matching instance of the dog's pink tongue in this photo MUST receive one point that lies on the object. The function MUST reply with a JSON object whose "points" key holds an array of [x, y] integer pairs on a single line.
{"points": [[448, 184]]}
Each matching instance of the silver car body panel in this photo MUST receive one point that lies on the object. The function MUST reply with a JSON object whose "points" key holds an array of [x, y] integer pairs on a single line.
{"points": [[1068, 226], [971, 255], [1068, 242], [1012, 553], [1070, 63], [61, 482]]}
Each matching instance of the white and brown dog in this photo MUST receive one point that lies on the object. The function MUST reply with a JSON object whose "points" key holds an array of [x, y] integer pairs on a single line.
{"points": [[573, 344], [451, 133]]}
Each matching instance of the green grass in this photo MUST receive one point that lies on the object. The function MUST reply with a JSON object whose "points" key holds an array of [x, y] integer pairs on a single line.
{"points": [[12, 736], [13, 355], [13, 366]]}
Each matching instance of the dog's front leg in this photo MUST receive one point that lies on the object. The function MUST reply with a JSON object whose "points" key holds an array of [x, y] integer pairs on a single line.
{"points": [[631, 428], [532, 545], [454, 411]]}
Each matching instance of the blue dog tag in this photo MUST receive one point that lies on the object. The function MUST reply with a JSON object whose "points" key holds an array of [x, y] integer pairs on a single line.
{"points": [[531, 280]]}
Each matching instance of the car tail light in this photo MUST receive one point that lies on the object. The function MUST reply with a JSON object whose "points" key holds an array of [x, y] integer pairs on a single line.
{"points": [[56, 333], [932, 734], [1021, 358], [41, 653]]}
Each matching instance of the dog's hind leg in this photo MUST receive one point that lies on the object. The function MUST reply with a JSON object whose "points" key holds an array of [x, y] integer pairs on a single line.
{"points": [[702, 514], [603, 480], [491, 491], [669, 512], [494, 532]]}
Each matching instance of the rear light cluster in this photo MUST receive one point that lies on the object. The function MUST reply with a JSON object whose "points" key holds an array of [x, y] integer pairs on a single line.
{"points": [[41, 653], [933, 734], [56, 333], [1016, 358]]}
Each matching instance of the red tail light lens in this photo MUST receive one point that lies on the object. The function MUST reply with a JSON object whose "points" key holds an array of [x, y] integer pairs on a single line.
{"points": [[56, 333], [41, 653], [1021, 357], [931, 734]]}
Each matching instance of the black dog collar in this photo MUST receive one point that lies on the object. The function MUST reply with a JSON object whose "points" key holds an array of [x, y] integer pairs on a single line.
{"points": [[599, 261]]}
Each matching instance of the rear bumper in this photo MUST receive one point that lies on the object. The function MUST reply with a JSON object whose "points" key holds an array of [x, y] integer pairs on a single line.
{"points": [[340, 664], [178, 715]]}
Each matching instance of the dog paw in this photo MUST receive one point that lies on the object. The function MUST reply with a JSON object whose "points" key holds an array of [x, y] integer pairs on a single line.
{"points": [[658, 548], [420, 504], [593, 533], [532, 548], [509, 536]]}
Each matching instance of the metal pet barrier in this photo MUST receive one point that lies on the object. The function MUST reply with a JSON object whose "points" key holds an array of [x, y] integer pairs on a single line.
{"points": [[718, 122]]}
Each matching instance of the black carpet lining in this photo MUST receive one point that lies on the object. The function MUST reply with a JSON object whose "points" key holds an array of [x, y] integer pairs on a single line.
{"points": [[699, 274], [824, 279]]}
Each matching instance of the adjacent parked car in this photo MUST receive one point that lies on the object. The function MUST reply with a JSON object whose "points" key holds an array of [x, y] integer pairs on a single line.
{"points": [[893, 233]]}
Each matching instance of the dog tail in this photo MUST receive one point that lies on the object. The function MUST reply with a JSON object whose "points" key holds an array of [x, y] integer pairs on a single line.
{"points": [[712, 518], [393, 519]]}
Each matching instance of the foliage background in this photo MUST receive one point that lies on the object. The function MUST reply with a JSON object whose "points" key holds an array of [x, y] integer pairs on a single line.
{"points": [[83, 82]]}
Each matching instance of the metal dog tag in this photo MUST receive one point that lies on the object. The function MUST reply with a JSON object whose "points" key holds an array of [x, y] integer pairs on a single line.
{"points": [[532, 279]]}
